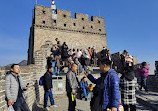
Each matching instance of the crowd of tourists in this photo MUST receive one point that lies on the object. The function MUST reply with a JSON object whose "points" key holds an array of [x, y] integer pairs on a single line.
{"points": [[109, 92], [62, 56]]}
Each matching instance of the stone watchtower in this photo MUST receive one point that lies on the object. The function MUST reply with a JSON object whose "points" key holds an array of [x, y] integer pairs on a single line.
{"points": [[78, 32]]}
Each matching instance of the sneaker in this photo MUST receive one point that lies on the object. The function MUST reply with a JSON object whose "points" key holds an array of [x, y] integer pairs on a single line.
{"points": [[46, 109], [53, 106]]}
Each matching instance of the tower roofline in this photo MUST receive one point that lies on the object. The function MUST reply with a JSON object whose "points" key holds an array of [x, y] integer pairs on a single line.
{"points": [[76, 13]]}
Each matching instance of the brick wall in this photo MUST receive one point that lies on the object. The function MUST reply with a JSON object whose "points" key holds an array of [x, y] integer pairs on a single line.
{"points": [[34, 94], [78, 32], [30, 74], [3, 105]]}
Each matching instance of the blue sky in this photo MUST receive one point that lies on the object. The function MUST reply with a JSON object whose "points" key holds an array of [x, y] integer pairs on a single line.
{"points": [[130, 25]]}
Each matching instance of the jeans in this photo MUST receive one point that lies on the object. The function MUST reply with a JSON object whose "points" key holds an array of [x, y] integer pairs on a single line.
{"points": [[20, 105], [53, 65], [143, 83], [85, 68], [55, 69], [95, 62], [85, 94], [50, 95]]}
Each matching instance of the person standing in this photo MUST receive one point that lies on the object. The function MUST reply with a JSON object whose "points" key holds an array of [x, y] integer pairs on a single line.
{"points": [[73, 52], [128, 90], [70, 52], [123, 63], [78, 54], [50, 60], [85, 59], [48, 88], [109, 55], [58, 64], [107, 94], [94, 58], [57, 56], [90, 53], [71, 86], [64, 54], [144, 73], [15, 88], [103, 52]]}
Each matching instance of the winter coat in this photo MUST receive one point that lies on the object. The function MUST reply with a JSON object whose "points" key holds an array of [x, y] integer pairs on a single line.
{"points": [[49, 61], [83, 85], [128, 91], [71, 81], [103, 52], [64, 50], [47, 81], [90, 53], [79, 66], [111, 93], [94, 55], [12, 86], [86, 54], [144, 71]]}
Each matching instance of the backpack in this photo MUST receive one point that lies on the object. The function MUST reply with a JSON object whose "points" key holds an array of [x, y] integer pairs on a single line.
{"points": [[41, 81]]}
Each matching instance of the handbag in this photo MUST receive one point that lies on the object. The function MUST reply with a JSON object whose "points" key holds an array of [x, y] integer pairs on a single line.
{"points": [[121, 108], [10, 108]]}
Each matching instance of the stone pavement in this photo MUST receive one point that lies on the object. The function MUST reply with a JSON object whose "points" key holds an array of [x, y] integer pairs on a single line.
{"points": [[141, 107], [149, 99], [62, 104], [82, 105]]}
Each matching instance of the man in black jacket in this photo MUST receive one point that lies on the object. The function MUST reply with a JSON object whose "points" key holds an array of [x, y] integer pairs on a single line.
{"points": [[48, 88], [64, 50]]}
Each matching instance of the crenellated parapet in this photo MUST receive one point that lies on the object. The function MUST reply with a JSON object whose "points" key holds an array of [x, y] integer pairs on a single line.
{"points": [[81, 22]]}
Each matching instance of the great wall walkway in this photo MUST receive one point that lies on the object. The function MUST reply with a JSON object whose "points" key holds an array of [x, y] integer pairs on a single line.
{"points": [[82, 105], [145, 101], [149, 99]]}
